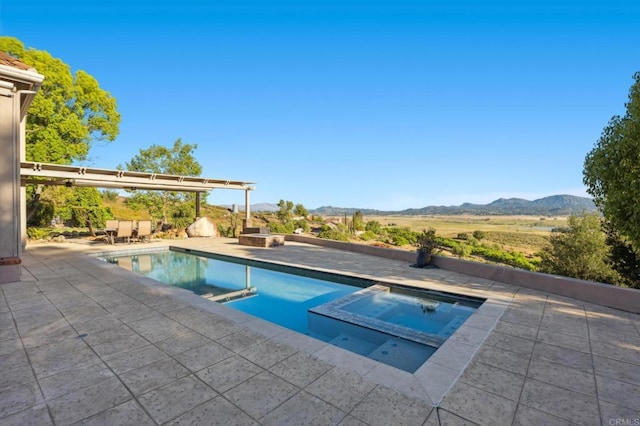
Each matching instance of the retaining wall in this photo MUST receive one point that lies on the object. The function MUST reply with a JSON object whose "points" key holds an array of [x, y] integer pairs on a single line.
{"points": [[626, 299]]}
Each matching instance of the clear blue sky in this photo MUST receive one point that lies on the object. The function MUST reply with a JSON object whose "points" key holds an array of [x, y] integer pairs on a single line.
{"points": [[374, 104]]}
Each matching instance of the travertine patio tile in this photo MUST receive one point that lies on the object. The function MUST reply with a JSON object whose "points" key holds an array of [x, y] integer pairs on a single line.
{"points": [[64, 361], [153, 375], [215, 412], [352, 421], [563, 356], [527, 416], [612, 414], [9, 346], [228, 373], [203, 356], [128, 413], [62, 331], [140, 313], [563, 376], [49, 350], [99, 325], [574, 328], [74, 379], [119, 346], [483, 407], [353, 388], [506, 360], [176, 398], [560, 402], [384, 406], [19, 398], [260, 394], [88, 401], [624, 353], [447, 418], [511, 343], [106, 335], [568, 341], [135, 358], [495, 380], [611, 336], [267, 353], [240, 340], [301, 369], [157, 329], [182, 342], [304, 409], [8, 334], [11, 376], [622, 371], [617, 392], [38, 415], [529, 318], [6, 320]]}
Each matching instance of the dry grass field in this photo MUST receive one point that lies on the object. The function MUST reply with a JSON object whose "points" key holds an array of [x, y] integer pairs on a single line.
{"points": [[527, 234]]}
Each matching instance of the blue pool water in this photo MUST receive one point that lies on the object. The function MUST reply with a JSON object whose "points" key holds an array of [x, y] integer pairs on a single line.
{"points": [[295, 300]]}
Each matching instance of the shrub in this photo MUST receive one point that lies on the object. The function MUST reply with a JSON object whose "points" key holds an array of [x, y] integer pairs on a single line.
{"points": [[479, 235], [463, 236], [462, 250], [281, 228], [337, 234], [37, 233], [368, 236]]}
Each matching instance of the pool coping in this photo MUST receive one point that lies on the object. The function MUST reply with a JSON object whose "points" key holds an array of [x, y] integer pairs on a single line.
{"points": [[430, 382]]}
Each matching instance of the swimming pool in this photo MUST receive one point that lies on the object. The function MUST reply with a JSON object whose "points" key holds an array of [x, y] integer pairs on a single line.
{"points": [[392, 324]]}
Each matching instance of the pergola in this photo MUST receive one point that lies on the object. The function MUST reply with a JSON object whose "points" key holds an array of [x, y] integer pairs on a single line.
{"points": [[57, 174]]}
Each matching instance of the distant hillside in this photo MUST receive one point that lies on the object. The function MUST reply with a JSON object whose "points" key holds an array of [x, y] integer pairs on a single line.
{"points": [[555, 205]]}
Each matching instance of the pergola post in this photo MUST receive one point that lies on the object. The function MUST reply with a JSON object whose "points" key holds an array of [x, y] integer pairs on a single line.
{"points": [[197, 205], [18, 86], [246, 223]]}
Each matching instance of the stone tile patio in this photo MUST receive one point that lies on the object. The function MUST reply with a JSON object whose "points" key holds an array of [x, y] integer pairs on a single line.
{"points": [[86, 342]]}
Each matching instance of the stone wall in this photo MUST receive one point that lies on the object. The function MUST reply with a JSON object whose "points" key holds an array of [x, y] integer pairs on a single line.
{"points": [[626, 299]]}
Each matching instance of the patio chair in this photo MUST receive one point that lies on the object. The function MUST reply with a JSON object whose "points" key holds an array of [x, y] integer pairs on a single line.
{"points": [[125, 230], [111, 229], [144, 230]]}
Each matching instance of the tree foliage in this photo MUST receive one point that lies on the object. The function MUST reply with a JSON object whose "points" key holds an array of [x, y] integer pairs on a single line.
{"points": [[612, 170], [285, 212], [167, 206], [580, 252], [70, 112]]}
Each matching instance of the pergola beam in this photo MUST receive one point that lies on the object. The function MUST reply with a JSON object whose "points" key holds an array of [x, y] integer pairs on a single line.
{"points": [[57, 174]]}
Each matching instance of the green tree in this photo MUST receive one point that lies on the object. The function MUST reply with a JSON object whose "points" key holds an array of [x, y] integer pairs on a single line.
{"points": [[580, 252], [358, 221], [284, 214], [612, 170], [176, 160], [624, 260], [70, 113], [300, 210]]}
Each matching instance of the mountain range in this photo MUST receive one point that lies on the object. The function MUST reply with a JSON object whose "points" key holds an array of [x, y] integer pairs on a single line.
{"points": [[555, 205]]}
